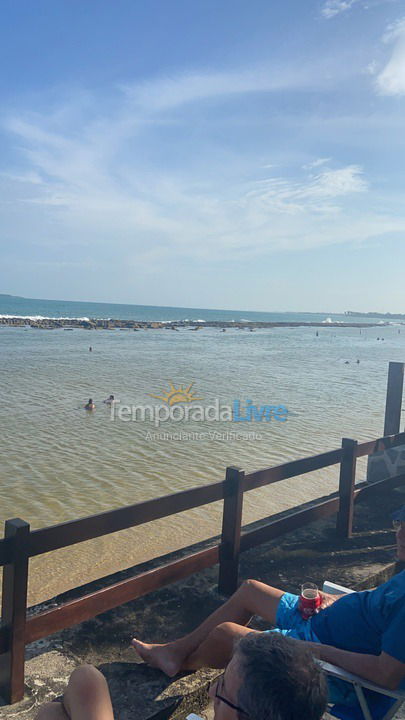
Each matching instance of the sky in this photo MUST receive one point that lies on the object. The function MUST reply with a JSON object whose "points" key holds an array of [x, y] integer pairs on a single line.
{"points": [[204, 153]]}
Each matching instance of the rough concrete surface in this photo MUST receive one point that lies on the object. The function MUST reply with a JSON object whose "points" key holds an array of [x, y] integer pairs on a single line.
{"points": [[312, 553]]}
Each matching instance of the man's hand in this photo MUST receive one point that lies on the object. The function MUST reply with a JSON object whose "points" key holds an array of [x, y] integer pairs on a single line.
{"points": [[328, 599]]}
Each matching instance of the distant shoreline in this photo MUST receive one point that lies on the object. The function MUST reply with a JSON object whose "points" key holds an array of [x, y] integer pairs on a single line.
{"points": [[113, 324], [387, 315]]}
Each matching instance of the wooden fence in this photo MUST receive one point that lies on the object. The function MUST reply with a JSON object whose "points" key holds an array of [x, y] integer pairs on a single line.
{"points": [[20, 543]]}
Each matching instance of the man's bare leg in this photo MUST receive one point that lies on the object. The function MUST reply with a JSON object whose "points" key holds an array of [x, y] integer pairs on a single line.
{"points": [[86, 698], [51, 711], [217, 649], [252, 598]]}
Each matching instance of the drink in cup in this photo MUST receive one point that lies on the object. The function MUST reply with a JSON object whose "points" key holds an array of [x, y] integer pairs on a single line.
{"points": [[310, 600]]}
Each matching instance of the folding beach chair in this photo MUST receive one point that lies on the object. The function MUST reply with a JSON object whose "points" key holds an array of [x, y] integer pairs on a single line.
{"points": [[374, 702]]}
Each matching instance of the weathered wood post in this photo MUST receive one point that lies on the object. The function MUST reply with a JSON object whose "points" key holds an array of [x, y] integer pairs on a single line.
{"points": [[387, 463], [231, 528], [347, 478], [393, 400], [14, 611]]}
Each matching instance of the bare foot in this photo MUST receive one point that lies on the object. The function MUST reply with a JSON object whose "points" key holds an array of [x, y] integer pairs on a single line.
{"points": [[165, 657]]}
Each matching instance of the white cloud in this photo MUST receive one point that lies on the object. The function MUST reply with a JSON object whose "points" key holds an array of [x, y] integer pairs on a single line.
{"points": [[391, 79], [169, 92], [316, 163], [317, 194], [96, 198], [332, 8], [371, 68], [336, 183], [94, 187]]}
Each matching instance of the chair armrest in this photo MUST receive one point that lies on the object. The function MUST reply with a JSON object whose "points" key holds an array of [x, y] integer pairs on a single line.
{"points": [[333, 589], [338, 672]]}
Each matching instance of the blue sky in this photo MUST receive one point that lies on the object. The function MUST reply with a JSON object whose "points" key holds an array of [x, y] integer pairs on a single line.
{"points": [[204, 153]]}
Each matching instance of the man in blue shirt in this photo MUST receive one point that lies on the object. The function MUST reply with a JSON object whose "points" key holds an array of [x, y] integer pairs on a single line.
{"points": [[370, 622], [363, 632]]}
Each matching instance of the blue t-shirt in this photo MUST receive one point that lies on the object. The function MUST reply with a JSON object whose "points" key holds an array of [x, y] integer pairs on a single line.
{"points": [[370, 622]]}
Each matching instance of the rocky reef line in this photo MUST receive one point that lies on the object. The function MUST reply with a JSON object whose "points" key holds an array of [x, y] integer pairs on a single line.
{"points": [[112, 324]]}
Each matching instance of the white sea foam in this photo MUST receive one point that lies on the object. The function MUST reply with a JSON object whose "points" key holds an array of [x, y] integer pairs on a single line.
{"points": [[329, 320]]}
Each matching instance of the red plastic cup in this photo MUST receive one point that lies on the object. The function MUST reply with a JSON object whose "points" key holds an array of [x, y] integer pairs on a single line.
{"points": [[310, 600]]}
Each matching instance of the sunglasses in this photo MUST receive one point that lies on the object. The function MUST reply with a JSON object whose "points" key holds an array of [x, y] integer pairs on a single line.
{"points": [[219, 685]]}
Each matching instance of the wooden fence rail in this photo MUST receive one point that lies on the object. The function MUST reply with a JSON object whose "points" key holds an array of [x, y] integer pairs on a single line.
{"points": [[19, 543]]}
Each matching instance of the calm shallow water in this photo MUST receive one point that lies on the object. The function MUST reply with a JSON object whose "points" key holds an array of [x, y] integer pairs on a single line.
{"points": [[59, 462]]}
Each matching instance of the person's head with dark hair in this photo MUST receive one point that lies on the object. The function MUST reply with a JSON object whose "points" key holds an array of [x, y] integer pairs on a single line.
{"points": [[271, 677]]}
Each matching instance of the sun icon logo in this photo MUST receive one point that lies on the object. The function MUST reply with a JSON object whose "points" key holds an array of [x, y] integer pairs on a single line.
{"points": [[177, 395]]}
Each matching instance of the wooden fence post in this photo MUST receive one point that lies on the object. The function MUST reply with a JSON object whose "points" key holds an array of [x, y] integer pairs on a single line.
{"points": [[231, 527], [347, 477], [14, 611], [393, 401]]}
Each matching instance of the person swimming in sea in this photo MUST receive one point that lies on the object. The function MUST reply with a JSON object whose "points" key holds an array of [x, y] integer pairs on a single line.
{"points": [[110, 400], [90, 405]]}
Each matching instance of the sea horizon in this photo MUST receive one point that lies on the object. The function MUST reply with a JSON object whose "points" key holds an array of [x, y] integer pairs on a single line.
{"points": [[44, 309]]}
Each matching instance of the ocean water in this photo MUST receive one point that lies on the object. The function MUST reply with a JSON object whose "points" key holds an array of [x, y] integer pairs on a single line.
{"points": [[26, 307], [59, 462]]}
